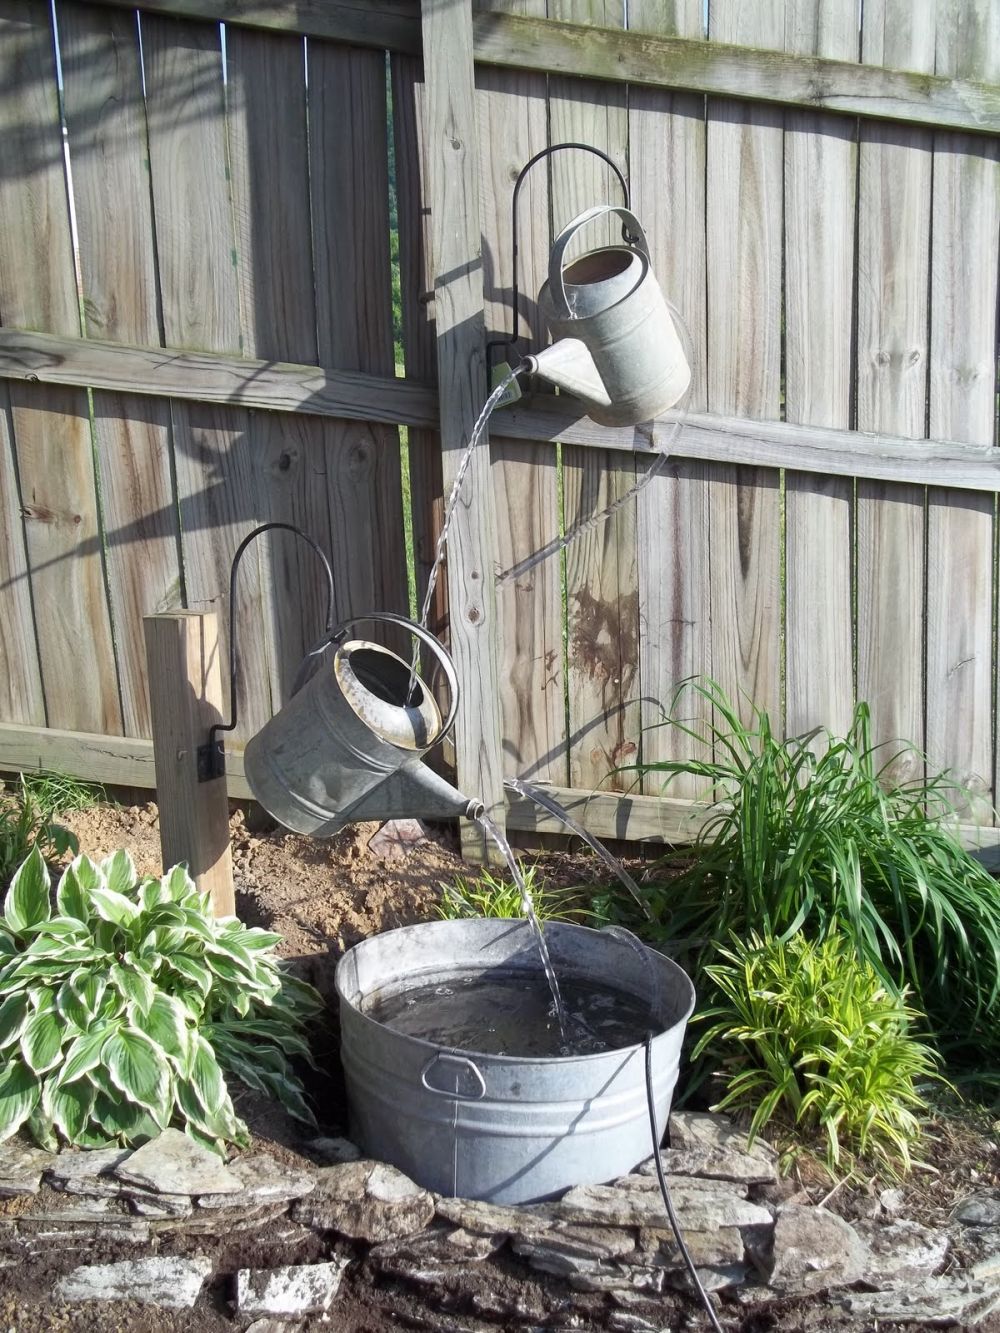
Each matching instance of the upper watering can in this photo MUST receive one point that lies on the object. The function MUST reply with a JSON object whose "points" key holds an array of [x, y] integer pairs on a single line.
{"points": [[616, 347], [348, 745]]}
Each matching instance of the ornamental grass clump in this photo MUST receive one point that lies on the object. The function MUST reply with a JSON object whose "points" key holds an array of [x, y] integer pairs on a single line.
{"points": [[816, 832], [803, 1032], [125, 1006]]}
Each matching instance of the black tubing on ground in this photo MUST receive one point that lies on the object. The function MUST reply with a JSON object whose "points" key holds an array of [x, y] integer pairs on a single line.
{"points": [[667, 1201]]}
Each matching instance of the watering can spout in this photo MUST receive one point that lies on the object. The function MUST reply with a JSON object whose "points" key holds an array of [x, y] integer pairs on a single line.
{"points": [[420, 793], [569, 366]]}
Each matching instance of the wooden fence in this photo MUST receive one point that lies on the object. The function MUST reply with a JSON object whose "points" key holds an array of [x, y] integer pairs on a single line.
{"points": [[197, 337]]}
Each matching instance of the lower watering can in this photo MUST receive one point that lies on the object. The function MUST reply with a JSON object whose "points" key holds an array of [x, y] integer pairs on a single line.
{"points": [[348, 745], [617, 347]]}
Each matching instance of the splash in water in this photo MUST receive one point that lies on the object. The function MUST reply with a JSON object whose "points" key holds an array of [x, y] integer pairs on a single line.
{"points": [[492, 830]]}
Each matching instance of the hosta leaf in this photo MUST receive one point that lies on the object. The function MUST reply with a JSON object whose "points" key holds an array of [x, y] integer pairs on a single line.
{"points": [[72, 1010], [84, 1053], [244, 1070], [41, 1041], [206, 1076], [198, 924], [40, 1127], [8, 945], [128, 1124], [177, 883], [221, 1121], [289, 1093], [19, 1093], [114, 907], [166, 1023], [138, 1069], [71, 898], [27, 900], [62, 928], [151, 893], [68, 1106], [13, 1016], [134, 985], [255, 938], [88, 874], [193, 971], [89, 986], [119, 874]]}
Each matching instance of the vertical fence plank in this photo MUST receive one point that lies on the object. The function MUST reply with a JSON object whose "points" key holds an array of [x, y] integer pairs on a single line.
{"points": [[601, 566], [894, 186], [195, 240], [269, 166], [350, 194], [20, 679], [820, 174], [456, 249], [743, 223], [51, 426], [106, 135], [667, 171], [513, 125], [964, 230]]}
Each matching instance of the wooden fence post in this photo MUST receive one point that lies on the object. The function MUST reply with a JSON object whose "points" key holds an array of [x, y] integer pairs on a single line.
{"points": [[185, 698], [452, 193]]}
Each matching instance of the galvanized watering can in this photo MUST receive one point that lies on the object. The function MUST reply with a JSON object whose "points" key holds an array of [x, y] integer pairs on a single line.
{"points": [[616, 347], [349, 743]]}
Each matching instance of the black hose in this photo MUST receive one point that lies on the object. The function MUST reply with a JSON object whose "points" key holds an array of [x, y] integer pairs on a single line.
{"points": [[667, 1201]]}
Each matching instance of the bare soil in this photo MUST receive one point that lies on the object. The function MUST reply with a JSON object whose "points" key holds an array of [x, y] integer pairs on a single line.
{"points": [[323, 897]]}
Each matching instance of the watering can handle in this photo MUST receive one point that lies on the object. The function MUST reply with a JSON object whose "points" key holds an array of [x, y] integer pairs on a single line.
{"points": [[634, 234], [411, 627]]}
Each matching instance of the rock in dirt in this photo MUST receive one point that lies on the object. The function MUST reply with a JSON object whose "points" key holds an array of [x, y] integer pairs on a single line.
{"points": [[172, 1284], [815, 1249], [636, 1201], [365, 1200], [901, 1253], [396, 839], [331, 1151], [937, 1303], [299, 1289], [979, 1210], [262, 1179], [82, 1171], [21, 1167], [708, 1145], [174, 1164]]}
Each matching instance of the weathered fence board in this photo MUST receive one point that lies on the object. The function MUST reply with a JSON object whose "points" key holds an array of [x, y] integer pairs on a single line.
{"points": [[964, 228], [820, 174]]}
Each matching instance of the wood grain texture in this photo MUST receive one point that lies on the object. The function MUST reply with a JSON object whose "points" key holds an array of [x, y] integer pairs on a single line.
{"points": [[197, 257], [743, 218], [820, 175], [602, 590], [736, 68], [106, 137], [185, 686], [893, 228], [513, 122], [51, 426], [21, 696], [453, 193], [350, 204], [960, 528], [667, 170]]}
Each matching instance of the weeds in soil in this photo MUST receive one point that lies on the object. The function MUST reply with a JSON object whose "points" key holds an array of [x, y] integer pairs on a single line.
{"points": [[125, 1005], [805, 1032], [29, 818], [491, 896]]}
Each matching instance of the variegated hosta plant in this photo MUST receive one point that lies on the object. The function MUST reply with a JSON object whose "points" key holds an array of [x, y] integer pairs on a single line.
{"points": [[125, 1006]]}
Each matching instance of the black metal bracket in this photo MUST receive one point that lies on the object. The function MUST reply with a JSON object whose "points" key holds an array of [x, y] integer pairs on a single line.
{"points": [[211, 756], [515, 291]]}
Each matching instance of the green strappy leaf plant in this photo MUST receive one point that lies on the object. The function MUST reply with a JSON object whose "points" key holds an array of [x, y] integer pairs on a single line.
{"points": [[125, 1007], [817, 832], [805, 1033]]}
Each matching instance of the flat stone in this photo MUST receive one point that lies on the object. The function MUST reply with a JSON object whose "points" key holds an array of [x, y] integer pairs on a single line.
{"points": [[936, 1303], [979, 1210], [433, 1256], [88, 1171], [489, 1218], [365, 1200], [274, 1326], [172, 1284], [174, 1164], [573, 1249], [618, 1277], [712, 1277], [747, 1167], [697, 1209], [714, 1138], [83, 1209], [901, 1253], [331, 1151], [396, 839], [21, 1167], [148, 1204], [815, 1249], [722, 1246], [299, 1289], [262, 1179], [213, 1222]]}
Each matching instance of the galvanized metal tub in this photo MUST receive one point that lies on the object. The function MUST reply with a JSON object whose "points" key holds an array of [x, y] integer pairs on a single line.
{"points": [[503, 1128]]}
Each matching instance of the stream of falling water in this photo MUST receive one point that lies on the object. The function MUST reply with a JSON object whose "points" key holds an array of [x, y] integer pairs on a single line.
{"points": [[492, 830]]}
